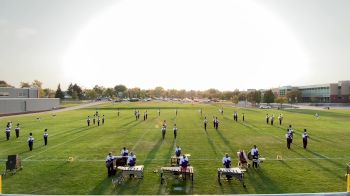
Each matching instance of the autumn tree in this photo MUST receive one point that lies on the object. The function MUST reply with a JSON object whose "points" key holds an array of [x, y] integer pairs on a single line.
{"points": [[269, 97]]}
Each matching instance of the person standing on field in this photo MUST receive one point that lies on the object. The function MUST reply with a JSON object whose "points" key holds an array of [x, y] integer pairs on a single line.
{"points": [[30, 141], [46, 135], [205, 123], [267, 118], [8, 132], [175, 131], [305, 138]]}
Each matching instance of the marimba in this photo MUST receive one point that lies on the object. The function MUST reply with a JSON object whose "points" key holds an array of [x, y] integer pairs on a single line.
{"points": [[233, 172], [136, 171], [188, 172]]}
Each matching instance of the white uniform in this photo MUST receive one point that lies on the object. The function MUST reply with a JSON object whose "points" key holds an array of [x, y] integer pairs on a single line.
{"points": [[126, 151], [182, 159], [225, 159], [130, 158], [109, 158]]}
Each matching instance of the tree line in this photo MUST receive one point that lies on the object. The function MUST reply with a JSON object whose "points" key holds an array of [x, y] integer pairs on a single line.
{"points": [[120, 91]]}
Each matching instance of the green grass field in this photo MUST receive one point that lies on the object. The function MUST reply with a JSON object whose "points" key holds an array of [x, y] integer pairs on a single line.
{"points": [[46, 170]]}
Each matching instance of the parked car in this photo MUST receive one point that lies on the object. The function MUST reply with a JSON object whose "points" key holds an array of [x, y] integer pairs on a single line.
{"points": [[265, 107]]}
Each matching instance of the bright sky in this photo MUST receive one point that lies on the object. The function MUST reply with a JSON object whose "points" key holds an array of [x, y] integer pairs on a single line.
{"points": [[183, 44]]}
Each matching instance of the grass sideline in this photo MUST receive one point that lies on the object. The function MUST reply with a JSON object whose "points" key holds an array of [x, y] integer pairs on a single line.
{"points": [[46, 170]]}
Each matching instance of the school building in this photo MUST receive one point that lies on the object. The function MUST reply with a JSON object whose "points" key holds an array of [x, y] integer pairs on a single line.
{"points": [[21, 100], [320, 93]]}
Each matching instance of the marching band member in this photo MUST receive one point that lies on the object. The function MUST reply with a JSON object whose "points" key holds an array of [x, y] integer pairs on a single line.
{"points": [[255, 154], [8, 132], [184, 163], [226, 161], [46, 135], [124, 152], [163, 132], [98, 120], [177, 151], [30, 141], [291, 132], [289, 138], [109, 164], [305, 138], [17, 130], [216, 123], [178, 154], [272, 119], [103, 119], [88, 121], [131, 159], [267, 118], [280, 118], [175, 131], [205, 123]]}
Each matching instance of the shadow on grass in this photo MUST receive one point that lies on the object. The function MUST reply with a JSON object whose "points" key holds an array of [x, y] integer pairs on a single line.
{"points": [[130, 186], [326, 158], [317, 164], [285, 164], [101, 187], [174, 186], [226, 141], [210, 141], [261, 181], [152, 154]]}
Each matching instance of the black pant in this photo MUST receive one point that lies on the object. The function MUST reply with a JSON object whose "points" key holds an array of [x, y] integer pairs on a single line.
{"points": [[174, 135], [17, 133], [289, 141], [304, 143], [110, 169], [30, 144], [280, 122], [88, 123], [45, 140], [205, 126], [7, 135], [255, 163], [271, 122], [267, 121]]}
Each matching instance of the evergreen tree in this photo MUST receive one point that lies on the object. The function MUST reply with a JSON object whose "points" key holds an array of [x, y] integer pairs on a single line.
{"points": [[59, 93]]}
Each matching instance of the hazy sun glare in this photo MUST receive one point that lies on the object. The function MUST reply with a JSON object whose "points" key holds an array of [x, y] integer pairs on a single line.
{"points": [[190, 44]]}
